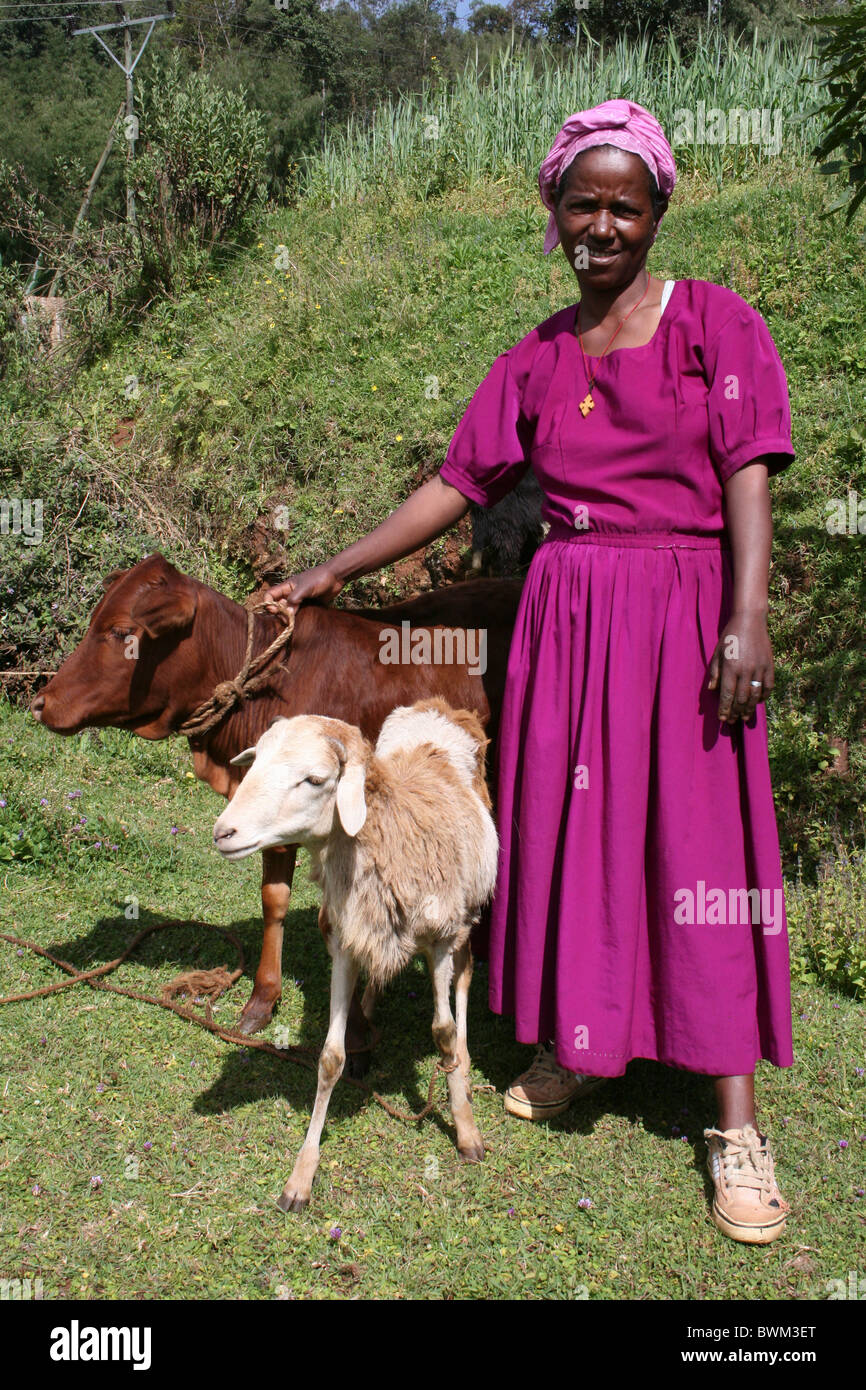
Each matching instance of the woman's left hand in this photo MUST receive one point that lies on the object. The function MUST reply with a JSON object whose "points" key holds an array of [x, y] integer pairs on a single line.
{"points": [[743, 655]]}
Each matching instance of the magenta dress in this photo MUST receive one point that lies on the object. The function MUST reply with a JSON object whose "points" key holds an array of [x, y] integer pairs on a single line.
{"points": [[639, 909]]}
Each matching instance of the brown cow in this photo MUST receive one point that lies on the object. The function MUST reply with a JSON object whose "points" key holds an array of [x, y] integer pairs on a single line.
{"points": [[188, 638]]}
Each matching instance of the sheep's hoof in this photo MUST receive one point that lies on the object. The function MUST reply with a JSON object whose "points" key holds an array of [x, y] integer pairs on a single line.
{"points": [[292, 1200], [472, 1151], [358, 1063], [256, 1015]]}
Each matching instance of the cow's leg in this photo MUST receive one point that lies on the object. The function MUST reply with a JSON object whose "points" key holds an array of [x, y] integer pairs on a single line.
{"points": [[344, 973], [357, 1029], [441, 962], [278, 867]]}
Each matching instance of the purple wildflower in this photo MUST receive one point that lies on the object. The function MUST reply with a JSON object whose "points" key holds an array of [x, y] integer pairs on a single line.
{"points": [[43, 801], [147, 1145], [100, 1087], [585, 1203], [96, 1181], [335, 1232], [843, 1143], [36, 1189], [511, 1212]]}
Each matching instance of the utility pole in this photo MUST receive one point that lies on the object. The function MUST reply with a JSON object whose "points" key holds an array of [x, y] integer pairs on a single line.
{"points": [[130, 125], [127, 67]]}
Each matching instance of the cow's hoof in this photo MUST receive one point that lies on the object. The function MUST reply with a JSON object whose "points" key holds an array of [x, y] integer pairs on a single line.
{"points": [[472, 1152], [256, 1015], [358, 1064], [290, 1200]]}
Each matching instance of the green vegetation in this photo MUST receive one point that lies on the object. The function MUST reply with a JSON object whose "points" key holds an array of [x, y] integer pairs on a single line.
{"points": [[91, 1081]]}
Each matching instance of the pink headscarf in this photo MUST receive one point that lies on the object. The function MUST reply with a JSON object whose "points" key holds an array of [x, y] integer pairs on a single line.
{"points": [[618, 122]]}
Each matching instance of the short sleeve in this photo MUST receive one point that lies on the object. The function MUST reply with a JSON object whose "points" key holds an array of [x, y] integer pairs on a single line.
{"points": [[749, 410], [489, 452]]}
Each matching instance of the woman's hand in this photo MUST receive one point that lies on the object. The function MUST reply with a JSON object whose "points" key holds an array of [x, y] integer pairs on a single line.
{"points": [[321, 583], [743, 654]]}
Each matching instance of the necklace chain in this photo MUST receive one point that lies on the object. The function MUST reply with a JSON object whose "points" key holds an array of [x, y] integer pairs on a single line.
{"points": [[590, 379]]}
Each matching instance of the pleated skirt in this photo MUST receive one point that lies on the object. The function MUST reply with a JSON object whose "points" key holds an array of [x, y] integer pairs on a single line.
{"points": [[639, 909]]}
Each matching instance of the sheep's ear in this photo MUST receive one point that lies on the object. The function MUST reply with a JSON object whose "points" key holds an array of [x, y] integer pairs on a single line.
{"points": [[244, 759], [351, 806]]}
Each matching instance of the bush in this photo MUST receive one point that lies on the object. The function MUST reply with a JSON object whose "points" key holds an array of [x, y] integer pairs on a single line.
{"points": [[200, 177]]}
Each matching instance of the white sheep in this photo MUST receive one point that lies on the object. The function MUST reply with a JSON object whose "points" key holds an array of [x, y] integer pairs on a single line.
{"points": [[405, 850]]}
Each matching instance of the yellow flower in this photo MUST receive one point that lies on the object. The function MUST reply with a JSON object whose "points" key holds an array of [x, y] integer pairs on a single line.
{"points": [[374, 388], [318, 306], [398, 437], [271, 323]]}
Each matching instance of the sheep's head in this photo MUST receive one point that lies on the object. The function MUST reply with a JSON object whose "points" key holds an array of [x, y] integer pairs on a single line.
{"points": [[304, 774]]}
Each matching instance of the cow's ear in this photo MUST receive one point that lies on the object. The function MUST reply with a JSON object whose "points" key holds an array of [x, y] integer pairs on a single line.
{"points": [[244, 759], [110, 578], [165, 605]]}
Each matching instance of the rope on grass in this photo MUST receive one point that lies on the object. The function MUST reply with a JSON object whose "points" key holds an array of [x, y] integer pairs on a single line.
{"points": [[211, 984]]}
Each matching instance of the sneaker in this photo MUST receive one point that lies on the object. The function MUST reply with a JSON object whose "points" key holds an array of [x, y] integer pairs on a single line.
{"points": [[747, 1204], [547, 1089]]}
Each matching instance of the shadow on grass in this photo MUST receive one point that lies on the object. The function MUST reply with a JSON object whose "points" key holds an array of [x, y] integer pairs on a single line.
{"points": [[669, 1103]]}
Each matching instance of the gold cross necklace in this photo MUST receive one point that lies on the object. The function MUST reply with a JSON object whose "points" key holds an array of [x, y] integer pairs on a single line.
{"points": [[588, 404]]}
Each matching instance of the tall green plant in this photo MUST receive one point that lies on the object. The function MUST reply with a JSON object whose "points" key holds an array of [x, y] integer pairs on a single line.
{"points": [[842, 53], [501, 117], [200, 178]]}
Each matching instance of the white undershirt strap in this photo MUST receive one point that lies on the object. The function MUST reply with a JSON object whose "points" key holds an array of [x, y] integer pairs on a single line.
{"points": [[666, 293]]}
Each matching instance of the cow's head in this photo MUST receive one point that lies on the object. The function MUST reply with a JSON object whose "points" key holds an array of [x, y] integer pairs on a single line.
{"points": [[123, 671]]}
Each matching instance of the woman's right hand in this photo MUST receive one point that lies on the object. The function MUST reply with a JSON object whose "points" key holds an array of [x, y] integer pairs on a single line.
{"points": [[320, 583]]}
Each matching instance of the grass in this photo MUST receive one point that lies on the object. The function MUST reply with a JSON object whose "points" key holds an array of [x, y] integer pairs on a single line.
{"points": [[91, 1081]]}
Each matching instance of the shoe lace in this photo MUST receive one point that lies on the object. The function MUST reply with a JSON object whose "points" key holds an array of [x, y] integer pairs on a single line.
{"points": [[747, 1162], [543, 1065]]}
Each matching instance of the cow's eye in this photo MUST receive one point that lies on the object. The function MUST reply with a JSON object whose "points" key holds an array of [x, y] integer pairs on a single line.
{"points": [[316, 781], [120, 632]]}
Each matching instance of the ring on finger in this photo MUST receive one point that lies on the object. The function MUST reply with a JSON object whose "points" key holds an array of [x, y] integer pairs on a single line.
{"points": [[756, 685]]}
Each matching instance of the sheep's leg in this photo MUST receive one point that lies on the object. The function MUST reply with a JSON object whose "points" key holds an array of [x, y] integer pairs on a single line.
{"points": [[344, 973], [441, 961], [357, 1031], [368, 1002], [462, 979], [278, 867]]}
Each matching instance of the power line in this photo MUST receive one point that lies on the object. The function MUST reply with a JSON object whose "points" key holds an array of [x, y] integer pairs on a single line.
{"points": [[54, 4]]}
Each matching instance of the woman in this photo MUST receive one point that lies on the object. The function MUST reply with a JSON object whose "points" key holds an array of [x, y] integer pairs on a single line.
{"points": [[639, 908]]}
